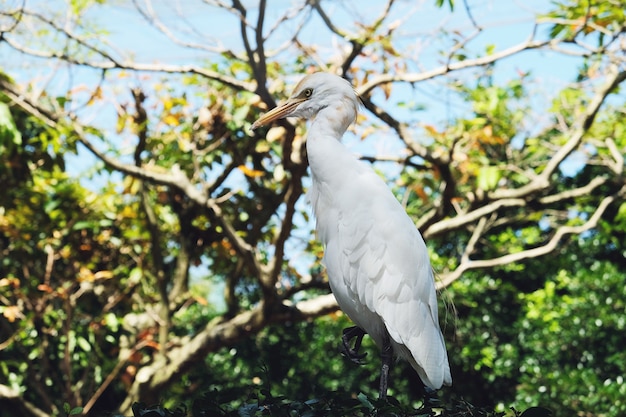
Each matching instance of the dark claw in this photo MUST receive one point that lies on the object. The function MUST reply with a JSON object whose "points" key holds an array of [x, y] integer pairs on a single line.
{"points": [[430, 397], [348, 351]]}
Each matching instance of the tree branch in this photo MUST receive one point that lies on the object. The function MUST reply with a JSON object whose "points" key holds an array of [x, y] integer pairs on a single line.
{"points": [[175, 178], [442, 70], [18, 405], [580, 128], [549, 247], [291, 198], [113, 64], [455, 223], [151, 17], [583, 123], [218, 334]]}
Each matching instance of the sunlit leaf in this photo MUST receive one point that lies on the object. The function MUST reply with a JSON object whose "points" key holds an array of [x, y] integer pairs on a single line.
{"points": [[488, 177], [11, 313], [172, 120], [249, 172], [83, 344], [8, 130]]}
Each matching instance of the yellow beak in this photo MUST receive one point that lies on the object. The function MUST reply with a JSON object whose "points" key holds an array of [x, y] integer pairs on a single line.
{"points": [[280, 112]]}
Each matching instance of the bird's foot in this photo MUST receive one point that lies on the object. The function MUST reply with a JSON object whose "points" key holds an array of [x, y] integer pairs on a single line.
{"points": [[349, 351], [430, 398]]}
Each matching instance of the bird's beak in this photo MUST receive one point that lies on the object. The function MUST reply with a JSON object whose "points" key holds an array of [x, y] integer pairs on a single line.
{"points": [[280, 112]]}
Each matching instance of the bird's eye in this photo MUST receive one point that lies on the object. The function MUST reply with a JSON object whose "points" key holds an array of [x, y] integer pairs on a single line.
{"points": [[308, 92]]}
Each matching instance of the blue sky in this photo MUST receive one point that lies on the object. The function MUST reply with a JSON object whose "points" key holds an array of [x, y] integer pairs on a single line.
{"points": [[505, 23]]}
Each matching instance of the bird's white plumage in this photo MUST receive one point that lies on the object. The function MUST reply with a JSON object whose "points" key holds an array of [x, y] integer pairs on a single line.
{"points": [[376, 259]]}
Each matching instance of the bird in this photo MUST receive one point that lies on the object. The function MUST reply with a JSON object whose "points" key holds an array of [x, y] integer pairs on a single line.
{"points": [[376, 259]]}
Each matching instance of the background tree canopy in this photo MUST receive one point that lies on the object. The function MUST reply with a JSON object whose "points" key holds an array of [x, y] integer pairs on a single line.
{"points": [[153, 248]]}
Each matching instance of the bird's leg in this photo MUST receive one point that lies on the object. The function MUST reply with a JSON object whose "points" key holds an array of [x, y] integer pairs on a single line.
{"points": [[352, 353], [430, 397], [386, 355]]}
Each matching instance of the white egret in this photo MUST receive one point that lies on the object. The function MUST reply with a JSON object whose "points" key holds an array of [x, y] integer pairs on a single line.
{"points": [[376, 259]]}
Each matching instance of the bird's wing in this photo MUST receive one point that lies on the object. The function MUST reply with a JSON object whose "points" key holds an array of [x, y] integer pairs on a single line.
{"points": [[384, 262]]}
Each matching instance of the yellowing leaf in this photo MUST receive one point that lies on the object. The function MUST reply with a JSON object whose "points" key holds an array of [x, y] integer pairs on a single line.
{"points": [[386, 90], [275, 133], [262, 147], [128, 212], [14, 282], [168, 103], [85, 275], [171, 120], [421, 193], [121, 122], [252, 173], [95, 96], [103, 275], [45, 288], [11, 313], [367, 131], [200, 300], [431, 129]]}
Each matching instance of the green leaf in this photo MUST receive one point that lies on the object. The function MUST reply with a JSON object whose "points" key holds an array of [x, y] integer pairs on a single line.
{"points": [[365, 401], [8, 130], [488, 177], [439, 3], [75, 411], [83, 344], [82, 225]]}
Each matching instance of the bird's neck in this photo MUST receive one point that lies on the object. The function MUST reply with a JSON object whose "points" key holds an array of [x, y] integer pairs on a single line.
{"points": [[331, 163], [333, 120], [327, 155]]}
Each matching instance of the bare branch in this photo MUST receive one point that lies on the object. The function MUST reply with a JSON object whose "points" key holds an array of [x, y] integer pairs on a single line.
{"points": [[460, 221], [617, 165], [442, 70], [217, 334], [292, 196], [19, 405], [580, 127], [468, 10], [151, 17], [358, 41], [479, 229], [329, 24], [547, 248], [256, 57], [16, 15], [401, 129], [288, 15], [112, 375], [584, 122], [575, 192], [111, 64]]}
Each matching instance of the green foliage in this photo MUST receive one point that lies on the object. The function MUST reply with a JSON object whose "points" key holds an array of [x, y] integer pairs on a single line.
{"points": [[9, 135], [571, 332], [556, 331], [69, 411], [591, 18], [440, 3], [332, 404]]}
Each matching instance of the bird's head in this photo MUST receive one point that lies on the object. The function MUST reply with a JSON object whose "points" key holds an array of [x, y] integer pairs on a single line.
{"points": [[313, 94]]}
